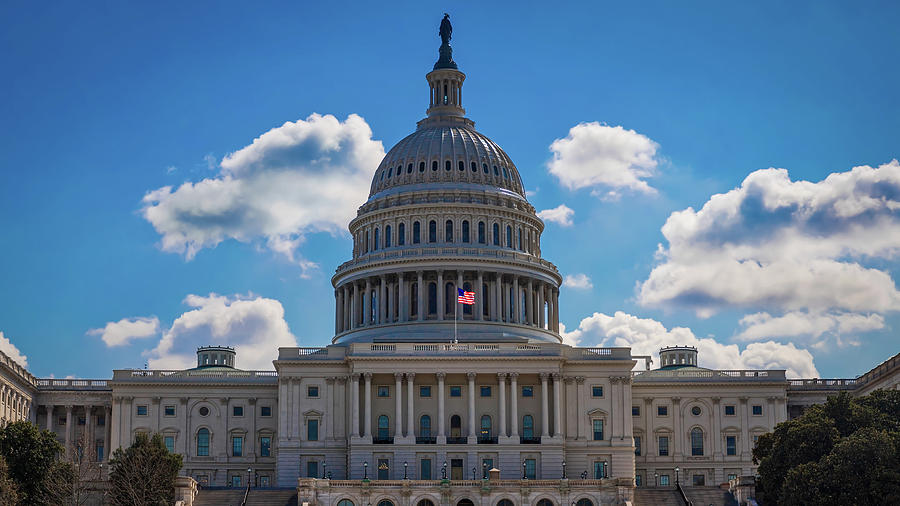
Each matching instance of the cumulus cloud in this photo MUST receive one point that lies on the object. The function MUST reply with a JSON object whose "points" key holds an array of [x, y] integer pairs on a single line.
{"points": [[807, 251], [561, 215], [578, 281], [253, 325], [126, 330], [302, 177], [6, 346], [604, 158], [646, 336]]}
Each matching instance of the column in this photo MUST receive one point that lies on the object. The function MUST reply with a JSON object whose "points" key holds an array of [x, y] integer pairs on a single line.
{"points": [[403, 295], [382, 293], [107, 442], [50, 417], [649, 437], [504, 294], [545, 415], [517, 301], [354, 405], [555, 310], [582, 402], [480, 297], [459, 281], [442, 435], [398, 405], [367, 304], [717, 429], [69, 431], [330, 407], [89, 429], [745, 430], [391, 304], [472, 433], [337, 311], [441, 293], [496, 307], [614, 403], [542, 321], [676, 422], [529, 304], [367, 429], [410, 408], [513, 405], [354, 307], [347, 312], [420, 295], [501, 383], [557, 414]]}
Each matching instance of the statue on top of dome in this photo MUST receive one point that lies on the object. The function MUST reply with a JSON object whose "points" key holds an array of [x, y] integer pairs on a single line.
{"points": [[446, 30]]}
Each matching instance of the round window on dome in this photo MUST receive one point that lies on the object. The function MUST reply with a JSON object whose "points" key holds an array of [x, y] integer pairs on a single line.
{"points": [[474, 167], [462, 165], [390, 171], [399, 170], [447, 165], [421, 166], [204, 411], [695, 411], [409, 169], [434, 165], [496, 173], [484, 167]]}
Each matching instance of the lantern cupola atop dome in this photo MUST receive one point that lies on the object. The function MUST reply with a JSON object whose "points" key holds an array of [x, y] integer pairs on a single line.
{"points": [[445, 80]]}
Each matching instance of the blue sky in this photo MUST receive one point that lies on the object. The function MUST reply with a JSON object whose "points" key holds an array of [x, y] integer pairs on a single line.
{"points": [[105, 102]]}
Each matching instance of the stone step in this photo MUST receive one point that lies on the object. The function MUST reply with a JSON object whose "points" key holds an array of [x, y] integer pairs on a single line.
{"points": [[653, 496], [219, 498], [284, 497], [704, 496]]}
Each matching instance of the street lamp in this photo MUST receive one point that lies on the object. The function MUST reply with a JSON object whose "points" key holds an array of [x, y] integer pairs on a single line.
{"points": [[366, 470], [249, 470], [584, 475], [473, 473], [564, 470], [405, 467], [444, 471], [676, 475], [656, 479], [524, 473], [483, 470]]}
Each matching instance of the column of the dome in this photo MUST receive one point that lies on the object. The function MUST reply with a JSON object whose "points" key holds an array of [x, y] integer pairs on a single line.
{"points": [[337, 311], [420, 296], [367, 304], [382, 293], [354, 306], [441, 293], [517, 305], [541, 314], [480, 297], [459, 284], [529, 305], [390, 303], [555, 310]]}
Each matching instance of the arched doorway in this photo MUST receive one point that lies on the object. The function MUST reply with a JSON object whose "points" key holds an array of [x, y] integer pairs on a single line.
{"points": [[584, 502], [505, 502], [345, 502], [545, 502], [385, 502], [465, 502], [425, 502]]}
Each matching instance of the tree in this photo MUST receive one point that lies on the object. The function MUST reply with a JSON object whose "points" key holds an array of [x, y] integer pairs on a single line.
{"points": [[846, 451], [76, 481], [31, 455], [144, 473], [9, 491]]}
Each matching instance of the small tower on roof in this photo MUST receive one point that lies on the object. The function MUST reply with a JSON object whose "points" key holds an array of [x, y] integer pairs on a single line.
{"points": [[215, 356], [678, 356], [445, 80]]}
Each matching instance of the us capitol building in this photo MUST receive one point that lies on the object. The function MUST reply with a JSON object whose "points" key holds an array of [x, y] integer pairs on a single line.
{"points": [[396, 411]]}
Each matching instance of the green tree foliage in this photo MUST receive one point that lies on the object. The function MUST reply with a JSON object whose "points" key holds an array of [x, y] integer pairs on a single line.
{"points": [[143, 474], [846, 451], [31, 455], [9, 491]]}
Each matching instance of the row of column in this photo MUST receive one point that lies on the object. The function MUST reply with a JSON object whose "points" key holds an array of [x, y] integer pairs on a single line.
{"points": [[410, 432], [403, 297], [13, 405], [451, 88], [87, 433]]}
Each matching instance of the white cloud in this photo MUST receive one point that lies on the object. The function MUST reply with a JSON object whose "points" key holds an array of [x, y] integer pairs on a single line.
{"points": [[814, 326], [808, 252], [607, 159], [578, 281], [125, 330], [302, 177], [6, 346], [646, 336], [253, 325], [561, 215]]}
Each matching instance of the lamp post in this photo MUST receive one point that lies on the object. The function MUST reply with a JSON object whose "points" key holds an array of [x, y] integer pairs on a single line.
{"points": [[584, 475], [473, 473], [366, 470], [564, 470], [324, 466], [444, 471], [676, 475], [524, 468], [405, 467], [656, 479], [249, 471], [483, 470]]}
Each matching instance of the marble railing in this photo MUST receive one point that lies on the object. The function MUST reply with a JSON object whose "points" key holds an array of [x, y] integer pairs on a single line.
{"points": [[822, 384], [72, 384], [193, 376], [17, 369], [709, 375], [442, 253]]}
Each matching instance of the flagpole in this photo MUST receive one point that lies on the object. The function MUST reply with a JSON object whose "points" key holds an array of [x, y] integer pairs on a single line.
{"points": [[455, 318]]}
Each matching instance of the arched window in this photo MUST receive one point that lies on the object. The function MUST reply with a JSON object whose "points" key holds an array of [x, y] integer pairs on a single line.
{"points": [[401, 234], [384, 427], [421, 166], [495, 171], [509, 236], [484, 168], [387, 236], [413, 299], [584, 502], [465, 231], [697, 441], [416, 232], [345, 502], [527, 426], [545, 502], [485, 426], [425, 426], [203, 443], [474, 167], [465, 502], [425, 502], [505, 173], [505, 502], [485, 301], [496, 235], [480, 232], [448, 231], [520, 240], [447, 165], [449, 297], [377, 240], [385, 502], [409, 169], [455, 426], [432, 231], [434, 165], [432, 298], [366, 246], [462, 165], [390, 172]]}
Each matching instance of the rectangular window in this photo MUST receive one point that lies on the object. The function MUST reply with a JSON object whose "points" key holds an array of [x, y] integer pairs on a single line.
{"points": [[101, 421], [456, 391], [169, 411], [531, 469], [312, 430], [100, 452], [637, 480], [699, 480], [425, 391], [237, 446], [425, 469], [757, 410], [662, 410], [312, 469], [237, 411], [384, 391], [236, 481], [61, 420], [485, 391], [637, 446], [264, 481], [597, 391], [265, 411], [598, 429], [527, 391], [170, 443], [82, 420], [600, 470], [312, 391], [663, 446], [265, 446], [635, 411], [730, 445], [664, 480], [142, 410], [729, 410]]}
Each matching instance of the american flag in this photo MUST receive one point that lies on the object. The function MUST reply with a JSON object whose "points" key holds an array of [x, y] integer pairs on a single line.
{"points": [[465, 297]]}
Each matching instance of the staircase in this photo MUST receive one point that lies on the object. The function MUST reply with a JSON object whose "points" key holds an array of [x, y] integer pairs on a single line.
{"points": [[257, 497], [657, 496], [704, 496]]}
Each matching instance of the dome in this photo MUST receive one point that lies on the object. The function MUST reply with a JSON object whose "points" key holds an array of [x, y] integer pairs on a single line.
{"points": [[440, 154]]}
